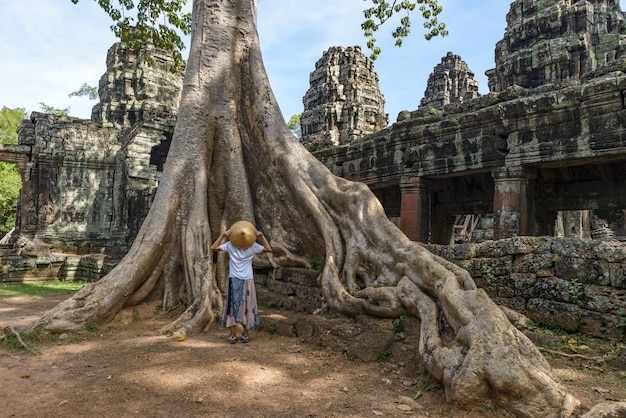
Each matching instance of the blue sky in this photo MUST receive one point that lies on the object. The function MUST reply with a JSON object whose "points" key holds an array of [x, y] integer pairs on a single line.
{"points": [[52, 47]]}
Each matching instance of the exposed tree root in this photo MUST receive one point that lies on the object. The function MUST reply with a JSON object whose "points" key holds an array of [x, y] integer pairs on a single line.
{"points": [[576, 355], [12, 331]]}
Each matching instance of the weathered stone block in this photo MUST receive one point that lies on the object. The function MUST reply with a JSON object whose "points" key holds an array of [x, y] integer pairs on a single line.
{"points": [[553, 288], [601, 325], [560, 314], [494, 267], [533, 262], [617, 273], [519, 285], [518, 304], [611, 251], [299, 276], [585, 270], [603, 299]]}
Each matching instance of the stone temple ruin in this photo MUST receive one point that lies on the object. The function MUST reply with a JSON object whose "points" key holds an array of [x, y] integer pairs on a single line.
{"points": [[545, 142], [450, 82], [541, 155], [87, 185], [344, 101]]}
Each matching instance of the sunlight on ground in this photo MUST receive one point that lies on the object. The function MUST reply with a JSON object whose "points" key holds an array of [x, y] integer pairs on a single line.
{"points": [[567, 374]]}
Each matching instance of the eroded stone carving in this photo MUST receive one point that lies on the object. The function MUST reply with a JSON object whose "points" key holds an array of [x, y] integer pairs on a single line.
{"points": [[450, 82], [344, 101], [551, 42]]}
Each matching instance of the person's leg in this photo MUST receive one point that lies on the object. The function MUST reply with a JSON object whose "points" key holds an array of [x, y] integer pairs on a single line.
{"points": [[244, 337], [232, 338]]}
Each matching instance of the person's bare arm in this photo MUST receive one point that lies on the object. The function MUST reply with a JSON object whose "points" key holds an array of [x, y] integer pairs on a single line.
{"points": [[218, 241], [266, 245]]}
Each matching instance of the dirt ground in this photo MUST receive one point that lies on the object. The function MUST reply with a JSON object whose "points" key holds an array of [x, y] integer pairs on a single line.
{"points": [[125, 370]]}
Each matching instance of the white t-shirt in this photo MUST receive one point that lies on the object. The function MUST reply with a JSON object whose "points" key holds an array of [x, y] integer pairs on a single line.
{"points": [[241, 259]]}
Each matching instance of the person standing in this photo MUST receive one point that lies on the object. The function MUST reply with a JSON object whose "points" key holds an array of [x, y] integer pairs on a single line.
{"points": [[241, 305]]}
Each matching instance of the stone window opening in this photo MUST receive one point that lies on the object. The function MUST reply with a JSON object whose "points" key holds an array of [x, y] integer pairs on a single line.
{"points": [[158, 154]]}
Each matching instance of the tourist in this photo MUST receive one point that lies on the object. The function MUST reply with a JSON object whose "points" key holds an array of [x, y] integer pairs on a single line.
{"points": [[241, 306]]}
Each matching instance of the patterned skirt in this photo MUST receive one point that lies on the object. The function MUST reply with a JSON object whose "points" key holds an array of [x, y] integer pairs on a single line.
{"points": [[240, 304]]}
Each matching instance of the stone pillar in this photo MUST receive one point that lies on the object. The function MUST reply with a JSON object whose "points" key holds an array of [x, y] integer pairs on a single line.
{"points": [[414, 208], [510, 203]]}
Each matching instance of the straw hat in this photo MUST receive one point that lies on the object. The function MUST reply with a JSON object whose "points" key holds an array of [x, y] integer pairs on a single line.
{"points": [[242, 234]]}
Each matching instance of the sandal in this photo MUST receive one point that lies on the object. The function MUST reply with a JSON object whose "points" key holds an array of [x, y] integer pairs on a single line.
{"points": [[245, 339], [232, 339]]}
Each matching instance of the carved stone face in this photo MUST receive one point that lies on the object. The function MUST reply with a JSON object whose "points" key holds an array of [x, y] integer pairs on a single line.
{"points": [[243, 234]]}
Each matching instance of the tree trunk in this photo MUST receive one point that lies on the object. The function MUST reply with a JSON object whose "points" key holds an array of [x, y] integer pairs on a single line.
{"points": [[232, 158]]}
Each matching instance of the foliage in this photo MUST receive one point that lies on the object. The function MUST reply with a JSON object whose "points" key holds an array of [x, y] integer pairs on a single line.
{"points": [[10, 180], [137, 21], [576, 291], [9, 121], [294, 125], [9, 191], [383, 355], [85, 90], [398, 324], [39, 289], [382, 11], [489, 276], [53, 110], [317, 263], [14, 341]]}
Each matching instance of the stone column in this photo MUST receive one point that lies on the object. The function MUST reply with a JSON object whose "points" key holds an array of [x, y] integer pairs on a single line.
{"points": [[414, 208], [510, 202]]}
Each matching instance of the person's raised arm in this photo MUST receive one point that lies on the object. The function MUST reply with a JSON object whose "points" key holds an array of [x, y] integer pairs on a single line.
{"points": [[266, 245], [218, 241]]}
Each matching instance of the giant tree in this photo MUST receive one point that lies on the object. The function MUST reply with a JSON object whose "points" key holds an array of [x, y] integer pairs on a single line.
{"points": [[233, 157]]}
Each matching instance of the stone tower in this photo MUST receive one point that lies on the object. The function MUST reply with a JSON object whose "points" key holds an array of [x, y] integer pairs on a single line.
{"points": [[450, 82], [555, 41], [138, 87], [344, 100]]}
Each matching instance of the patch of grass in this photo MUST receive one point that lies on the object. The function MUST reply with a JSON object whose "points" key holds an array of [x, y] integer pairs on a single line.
{"points": [[622, 313], [382, 356], [317, 263], [489, 408], [11, 342], [398, 325], [532, 325], [39, 289], [32, 340]]}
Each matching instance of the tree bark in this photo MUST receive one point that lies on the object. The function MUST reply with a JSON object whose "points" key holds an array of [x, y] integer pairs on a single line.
{"points": [[232, 158]]}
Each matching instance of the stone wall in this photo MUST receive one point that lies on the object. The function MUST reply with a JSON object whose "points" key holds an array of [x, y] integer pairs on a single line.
{"points": [[293, 289], [568, 283], [576, 285]]}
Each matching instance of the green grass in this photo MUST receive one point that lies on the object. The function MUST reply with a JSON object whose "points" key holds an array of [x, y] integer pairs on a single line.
{"points": [[34, 289]]}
